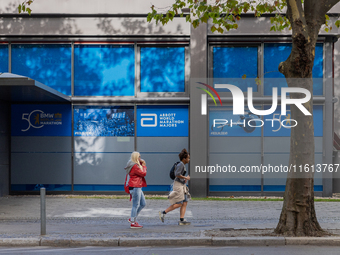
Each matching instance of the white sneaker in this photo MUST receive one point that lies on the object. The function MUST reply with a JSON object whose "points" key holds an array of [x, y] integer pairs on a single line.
{"points": [[184, 222], [161, 216]]}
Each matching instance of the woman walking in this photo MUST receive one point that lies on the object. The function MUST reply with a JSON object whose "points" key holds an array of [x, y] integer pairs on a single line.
{"points": [[136, 169], [180, 195]]}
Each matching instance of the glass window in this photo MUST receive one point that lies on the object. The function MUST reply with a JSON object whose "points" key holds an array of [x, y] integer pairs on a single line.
{"points": [[104, 70], [3, 58], [275, 53], [49, 64], [230, 64], [162, 69]]}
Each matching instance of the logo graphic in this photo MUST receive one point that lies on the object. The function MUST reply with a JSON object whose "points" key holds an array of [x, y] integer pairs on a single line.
{"points": [[238, 100], [248, 117], [154, 119], [204, 98], [39, 118]]}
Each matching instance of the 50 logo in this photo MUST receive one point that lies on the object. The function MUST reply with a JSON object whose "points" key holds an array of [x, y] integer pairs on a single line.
{"points": [[27, 117]]}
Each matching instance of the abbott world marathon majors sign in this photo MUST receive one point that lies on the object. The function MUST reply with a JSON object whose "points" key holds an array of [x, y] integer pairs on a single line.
{"points": [[41, 120], [162, 121]]}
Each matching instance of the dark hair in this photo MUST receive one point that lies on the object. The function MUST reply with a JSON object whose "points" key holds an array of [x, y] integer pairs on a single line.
{"points": [[183, 154]]}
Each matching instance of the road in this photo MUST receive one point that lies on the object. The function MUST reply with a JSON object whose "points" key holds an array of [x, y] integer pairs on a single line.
{"points": [[269, 250]]}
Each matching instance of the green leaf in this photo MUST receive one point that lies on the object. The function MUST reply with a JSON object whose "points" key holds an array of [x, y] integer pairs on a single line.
{"points": [[19, 8], [337, 23], [213, 29], [23, 8], [258, 81], [195, 23], [29, 11]]}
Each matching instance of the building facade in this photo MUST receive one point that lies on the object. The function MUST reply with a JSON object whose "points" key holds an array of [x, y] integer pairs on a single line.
{"points": [[104, 82]]}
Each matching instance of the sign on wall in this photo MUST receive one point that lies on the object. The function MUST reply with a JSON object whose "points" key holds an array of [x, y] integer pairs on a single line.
{"points": [[40, 120], [104, 121], [162, 121]]}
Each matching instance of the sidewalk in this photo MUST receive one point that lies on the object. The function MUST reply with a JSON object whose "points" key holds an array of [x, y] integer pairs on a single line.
{"points": [[84, 222]]}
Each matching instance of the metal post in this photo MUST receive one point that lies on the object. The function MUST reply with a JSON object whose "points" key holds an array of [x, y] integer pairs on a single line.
{"points": [[43, 211]]}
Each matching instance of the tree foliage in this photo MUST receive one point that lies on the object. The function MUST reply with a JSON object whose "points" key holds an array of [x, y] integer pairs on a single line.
{"points": [[225, 14], [25, 7]]}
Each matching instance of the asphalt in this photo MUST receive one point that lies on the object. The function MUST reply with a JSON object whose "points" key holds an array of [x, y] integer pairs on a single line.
{"points": [[77, 221]]}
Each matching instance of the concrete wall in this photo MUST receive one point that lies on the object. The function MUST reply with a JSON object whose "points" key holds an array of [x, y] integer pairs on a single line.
{"points": [[4, 148]]}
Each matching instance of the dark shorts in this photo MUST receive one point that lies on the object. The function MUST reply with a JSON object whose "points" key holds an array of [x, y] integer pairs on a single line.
{"points": [[185, 199]]}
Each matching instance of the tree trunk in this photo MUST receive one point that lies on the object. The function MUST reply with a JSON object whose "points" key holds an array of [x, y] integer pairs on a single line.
{"points": [[298, 216]]}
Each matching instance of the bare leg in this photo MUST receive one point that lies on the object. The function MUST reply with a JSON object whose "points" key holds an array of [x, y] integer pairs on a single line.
{"points": [[173, 207], [183, 209]]}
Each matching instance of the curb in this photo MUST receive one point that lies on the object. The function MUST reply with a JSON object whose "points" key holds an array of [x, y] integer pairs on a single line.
{"points": [[20, 242], [199, 241], [319, 241], [79, 242], [248, 241]]}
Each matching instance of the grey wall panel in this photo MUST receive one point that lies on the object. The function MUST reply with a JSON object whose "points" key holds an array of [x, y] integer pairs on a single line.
{"points": [[317, 175], [234, 144], [4, 117], [276, 144], [93, 26], [162, 144], [4, 180], [100, 168], [159, 165], [87, 6], [103, 144], [318, 144], [4, 150], [279, 178], [4, 147], [282, 144], [237, 178], [276, 178], [41, 144], [41, 168]]}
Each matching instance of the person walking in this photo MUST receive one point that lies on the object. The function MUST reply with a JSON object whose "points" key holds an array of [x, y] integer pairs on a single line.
{"points": [[180, 195], [136, 169]]}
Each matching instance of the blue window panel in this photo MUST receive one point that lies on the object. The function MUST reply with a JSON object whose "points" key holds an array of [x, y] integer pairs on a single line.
{"points": [[36, 187], [89, 187], [162, 69], [49, 64], [3, 58], [104, 70], [230, 64], [226, 188], [282, 188], [275, 53]]}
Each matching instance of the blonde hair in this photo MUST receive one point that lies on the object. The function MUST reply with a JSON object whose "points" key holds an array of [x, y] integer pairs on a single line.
{"points": [[135, 158]]}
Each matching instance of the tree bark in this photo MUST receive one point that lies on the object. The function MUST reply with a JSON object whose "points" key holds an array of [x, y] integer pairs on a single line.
{"points": [[298, 217]]}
